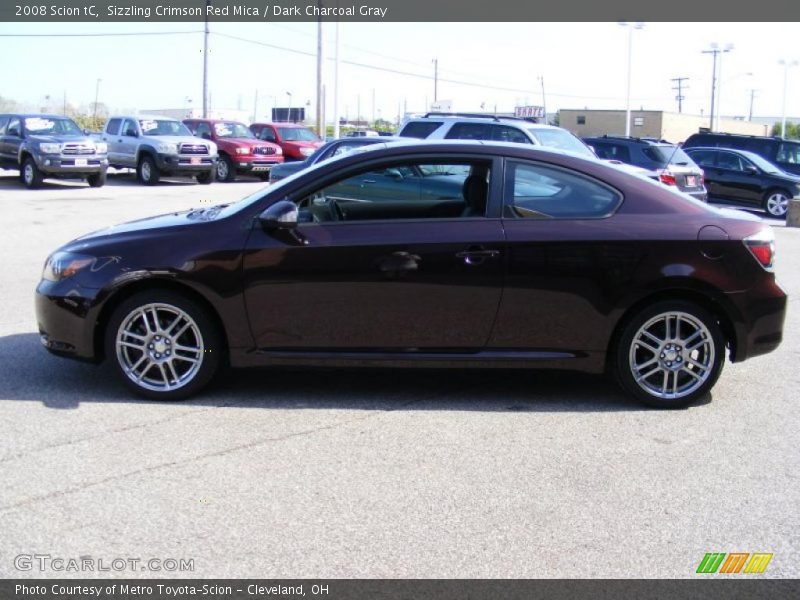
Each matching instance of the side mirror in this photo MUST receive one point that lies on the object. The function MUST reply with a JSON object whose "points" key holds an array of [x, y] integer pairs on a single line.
{"points": [[14, 132], [751, 170], [281, 215], [86, 131], [393, 174], [205, 135]]}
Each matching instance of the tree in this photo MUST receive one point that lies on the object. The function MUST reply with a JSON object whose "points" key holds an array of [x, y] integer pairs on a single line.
{"points": [[792, 130]]}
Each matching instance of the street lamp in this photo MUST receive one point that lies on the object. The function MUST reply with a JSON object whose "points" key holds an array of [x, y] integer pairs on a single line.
{"points": [[714, 51], [727, 48], [786, 64], [631, 27], [289, 116], [96, 94]]}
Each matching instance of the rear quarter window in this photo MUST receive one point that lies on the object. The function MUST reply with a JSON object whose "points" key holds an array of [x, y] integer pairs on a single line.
{"points": [[420, 129]]}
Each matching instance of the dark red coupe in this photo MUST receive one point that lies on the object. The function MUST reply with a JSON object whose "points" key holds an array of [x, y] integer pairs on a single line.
{"points": [[457, 254]]}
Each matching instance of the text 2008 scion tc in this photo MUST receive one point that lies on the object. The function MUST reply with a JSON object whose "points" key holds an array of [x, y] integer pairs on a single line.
{"points": [[458, 254]]}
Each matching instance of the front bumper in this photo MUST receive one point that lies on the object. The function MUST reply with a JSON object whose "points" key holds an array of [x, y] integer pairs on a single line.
{"points": [[256, 164], [55, 165], [66, 316], [171, 164]]}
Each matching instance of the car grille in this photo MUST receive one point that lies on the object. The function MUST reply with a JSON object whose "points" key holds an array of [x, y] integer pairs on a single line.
{"points": [[77, 149], [264, 150], [194, 149]]}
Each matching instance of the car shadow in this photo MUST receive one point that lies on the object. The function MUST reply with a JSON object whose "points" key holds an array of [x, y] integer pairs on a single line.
{"points": [[13, 182], [28, 372]]}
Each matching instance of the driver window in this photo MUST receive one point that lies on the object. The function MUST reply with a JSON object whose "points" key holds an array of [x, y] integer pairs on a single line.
{"points": [[543, 192], [129, 128], [405, 190]]}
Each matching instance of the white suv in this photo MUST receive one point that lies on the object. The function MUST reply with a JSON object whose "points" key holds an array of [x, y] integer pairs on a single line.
{"points": [[464, 126]]}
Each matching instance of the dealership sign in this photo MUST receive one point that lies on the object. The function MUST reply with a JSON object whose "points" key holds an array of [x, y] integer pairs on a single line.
{"points": [[529, 112]]}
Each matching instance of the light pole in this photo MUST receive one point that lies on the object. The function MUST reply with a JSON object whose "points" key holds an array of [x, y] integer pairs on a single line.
{"points": [[631, 27], [786, 64], [727, 48], [96, 95], [289, 115], [544, 100], [435, 81]]}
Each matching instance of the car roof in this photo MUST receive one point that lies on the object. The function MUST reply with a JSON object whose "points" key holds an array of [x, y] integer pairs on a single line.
{"points": [[745, 153], [144, 117], [633, 140], [744, 136], [274, 124], [202, 120], [34, 115], [479, 119]]}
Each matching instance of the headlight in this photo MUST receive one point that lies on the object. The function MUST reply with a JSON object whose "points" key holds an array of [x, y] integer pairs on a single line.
{"points": [[101, 147], [50, 148], [243, 151], [61, 265], [164, 148], [306, 151], [278, 150]]}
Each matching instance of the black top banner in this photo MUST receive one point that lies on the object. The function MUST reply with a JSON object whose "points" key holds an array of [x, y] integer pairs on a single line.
{"points": [[396, 10]]}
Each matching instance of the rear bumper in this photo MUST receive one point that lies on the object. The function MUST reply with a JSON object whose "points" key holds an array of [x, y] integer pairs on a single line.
{"points": [[701, 195], [761, 331]]}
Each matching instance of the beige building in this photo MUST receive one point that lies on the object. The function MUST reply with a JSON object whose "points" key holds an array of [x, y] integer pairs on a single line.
{"points": [[671, 126]]}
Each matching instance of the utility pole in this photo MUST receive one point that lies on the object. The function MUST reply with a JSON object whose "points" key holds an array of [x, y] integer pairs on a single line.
{"points": [[336, 124], [544, 99], [320, 58], [752, 97], [435, 81], [205, 63], [714, 52], [96, 94], [679, 88], [255, 107], [373, 107]]}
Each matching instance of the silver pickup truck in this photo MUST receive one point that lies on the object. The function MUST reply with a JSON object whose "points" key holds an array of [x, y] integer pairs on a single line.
{"points": [[158, 146]]}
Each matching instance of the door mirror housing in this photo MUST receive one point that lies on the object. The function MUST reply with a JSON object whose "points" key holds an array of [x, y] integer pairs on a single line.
{"points": [[13, 131], [280, 216], [393, 174], [751, 170], [205, 135]]}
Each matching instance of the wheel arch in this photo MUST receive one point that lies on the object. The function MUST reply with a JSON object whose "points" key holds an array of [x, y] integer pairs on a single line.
{"points": [[702, 298], [152, 284]]}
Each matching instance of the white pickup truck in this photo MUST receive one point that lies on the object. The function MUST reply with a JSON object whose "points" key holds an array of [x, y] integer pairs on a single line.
{"points": [[158, 146]]}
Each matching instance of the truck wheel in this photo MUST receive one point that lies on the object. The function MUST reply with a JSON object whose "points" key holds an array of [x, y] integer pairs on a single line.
{"points": [[205, 178], [264, 176], [97, 179], [31, 175], [226, 170], [147, 171]]}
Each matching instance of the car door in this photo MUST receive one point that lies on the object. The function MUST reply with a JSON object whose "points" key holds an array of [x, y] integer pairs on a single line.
{"points": [[111, 137], [567, 256], [4, 156], [738, 179], [13, 139], [128, 143], [394, 275]]}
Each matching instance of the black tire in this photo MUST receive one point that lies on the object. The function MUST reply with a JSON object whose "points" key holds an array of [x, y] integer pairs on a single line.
{"points": [[226, 170], [776, 202], [206, 178], [673, 360], [147, 170], [97, 179], [173, 365], [263, 176], [30, 174]]}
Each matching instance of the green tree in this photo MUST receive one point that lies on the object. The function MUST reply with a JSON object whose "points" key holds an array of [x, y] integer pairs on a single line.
{"points": [[792, 130]]}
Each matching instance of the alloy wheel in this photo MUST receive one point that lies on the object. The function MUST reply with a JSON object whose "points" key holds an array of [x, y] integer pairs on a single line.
{"points": [[27, 173], [146, 173], [777, 204], [672, 355], [222, 170], [159, 347]]}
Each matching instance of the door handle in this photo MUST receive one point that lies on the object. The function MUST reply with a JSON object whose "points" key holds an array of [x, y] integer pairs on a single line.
{"points": [[476, 255]]}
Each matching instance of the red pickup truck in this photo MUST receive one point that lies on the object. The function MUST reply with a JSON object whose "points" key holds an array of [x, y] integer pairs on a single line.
{"points": [[239, 150], [298, 141]]}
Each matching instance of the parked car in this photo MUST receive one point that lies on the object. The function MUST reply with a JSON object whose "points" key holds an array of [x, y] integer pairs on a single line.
{"points": [[158, 146], [783, 153], [469, 126], [746, 178], [39, 146], [297, 141], [333, 148], [363, 133], [239, 150], [544, 260], [672, 165]]}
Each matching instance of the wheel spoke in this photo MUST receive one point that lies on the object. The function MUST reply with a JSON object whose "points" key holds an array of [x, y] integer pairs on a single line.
{"points": [[648, 374], [131, 345], [651, 337]]}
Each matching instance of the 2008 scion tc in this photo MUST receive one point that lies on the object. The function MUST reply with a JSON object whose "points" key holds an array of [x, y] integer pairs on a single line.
{"points": [[456, 253]]}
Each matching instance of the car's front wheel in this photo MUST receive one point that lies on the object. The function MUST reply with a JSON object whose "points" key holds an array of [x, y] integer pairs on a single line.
{"points": [[163, 345], [776, 203], [670, 354], [31, 175], [97, 179], [148, 171]]}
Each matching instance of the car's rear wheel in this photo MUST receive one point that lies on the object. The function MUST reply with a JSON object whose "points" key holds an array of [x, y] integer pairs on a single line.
{"points": [[226, 170], [148, 171], [776, 203], [163, 345], [670, 354], [205, 178], [32, 177]]}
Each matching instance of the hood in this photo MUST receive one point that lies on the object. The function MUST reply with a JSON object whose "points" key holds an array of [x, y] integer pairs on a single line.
{"points": [[302, 144], [61, 139]]}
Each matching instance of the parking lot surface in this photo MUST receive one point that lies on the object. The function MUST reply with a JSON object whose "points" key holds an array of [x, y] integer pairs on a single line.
{"points": [[374, 473]]}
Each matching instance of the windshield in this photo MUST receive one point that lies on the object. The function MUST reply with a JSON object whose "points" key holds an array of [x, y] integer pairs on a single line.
{"points": [[762, 164], [297, 134], [232, 130], [165, 127], [51, 126], [561, 139]]}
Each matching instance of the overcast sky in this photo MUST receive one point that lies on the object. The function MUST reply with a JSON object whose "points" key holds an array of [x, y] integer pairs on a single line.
{"points": [[583, 65]]}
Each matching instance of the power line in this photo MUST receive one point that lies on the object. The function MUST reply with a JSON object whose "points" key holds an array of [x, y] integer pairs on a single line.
{"points": [[120, 34]]}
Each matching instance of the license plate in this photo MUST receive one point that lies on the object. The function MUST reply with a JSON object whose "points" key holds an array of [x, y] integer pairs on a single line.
{"points": [[195, 161], [81, 162], [260, 168], [691, 180]]}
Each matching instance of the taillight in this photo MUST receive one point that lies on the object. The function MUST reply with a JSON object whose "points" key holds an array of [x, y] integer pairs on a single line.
{"points": [[762, 247], [667, 178], [702, 177]]}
